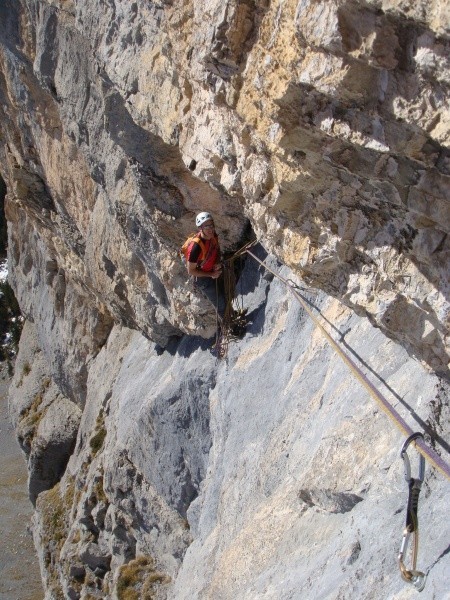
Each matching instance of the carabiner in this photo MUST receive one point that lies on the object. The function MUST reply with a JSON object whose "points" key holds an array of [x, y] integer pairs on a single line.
{"points": [[406, 462], [417, 578]]}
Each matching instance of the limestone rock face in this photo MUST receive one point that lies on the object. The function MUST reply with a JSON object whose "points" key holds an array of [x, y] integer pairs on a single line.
{"points": [[322, 129], [324, 124], [46, 422], [270, 475]]}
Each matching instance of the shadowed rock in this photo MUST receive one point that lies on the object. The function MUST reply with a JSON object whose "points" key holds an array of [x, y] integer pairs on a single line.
{"points": [[329, 501]]}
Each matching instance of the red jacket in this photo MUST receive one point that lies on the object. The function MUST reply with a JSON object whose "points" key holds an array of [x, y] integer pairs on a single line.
{"points": [[209, 252]]}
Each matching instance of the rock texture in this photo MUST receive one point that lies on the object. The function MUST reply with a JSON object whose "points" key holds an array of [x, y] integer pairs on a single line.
{"points": [[320, 127], [46, 422], [325, 124], [269, 475]]}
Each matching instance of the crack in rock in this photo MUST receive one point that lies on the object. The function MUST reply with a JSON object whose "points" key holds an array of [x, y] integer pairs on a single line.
{"points": [[329, 501]]}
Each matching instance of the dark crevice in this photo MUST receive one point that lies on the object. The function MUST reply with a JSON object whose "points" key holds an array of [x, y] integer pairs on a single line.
{"points": [[3, 225]]}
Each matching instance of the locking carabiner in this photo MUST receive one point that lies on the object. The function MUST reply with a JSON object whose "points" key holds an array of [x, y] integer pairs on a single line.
{"points": [[417, 578]]}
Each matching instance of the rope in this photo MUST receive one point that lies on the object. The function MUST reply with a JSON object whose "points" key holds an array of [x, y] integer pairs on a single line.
{"points": [[232, 318], [225, 325], [398, 420], [217, 343]]}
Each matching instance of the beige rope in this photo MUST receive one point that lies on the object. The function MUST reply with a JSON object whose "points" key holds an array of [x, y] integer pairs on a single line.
{"points": [[398, 420]]}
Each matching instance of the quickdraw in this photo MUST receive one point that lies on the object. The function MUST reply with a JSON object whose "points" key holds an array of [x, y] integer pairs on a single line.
{"points": [[417, 578]]}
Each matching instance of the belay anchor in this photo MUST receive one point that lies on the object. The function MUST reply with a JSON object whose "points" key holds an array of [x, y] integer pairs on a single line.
{"points": [[417, 578]]}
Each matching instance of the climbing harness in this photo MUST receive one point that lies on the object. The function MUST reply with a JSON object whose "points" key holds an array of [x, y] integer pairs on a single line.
{"points": [[398, 420], [232, 325], [417, 578]]}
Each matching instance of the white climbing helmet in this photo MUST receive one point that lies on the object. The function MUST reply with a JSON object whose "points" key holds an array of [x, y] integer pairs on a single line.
{"points": [[202, 218]]}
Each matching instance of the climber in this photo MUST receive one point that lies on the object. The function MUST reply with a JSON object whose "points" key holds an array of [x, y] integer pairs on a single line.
{"points": [[202, 252]]}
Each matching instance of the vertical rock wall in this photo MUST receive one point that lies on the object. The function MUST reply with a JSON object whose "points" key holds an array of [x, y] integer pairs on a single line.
{"points": [[269, 475], [324, 124], [319, 127]]}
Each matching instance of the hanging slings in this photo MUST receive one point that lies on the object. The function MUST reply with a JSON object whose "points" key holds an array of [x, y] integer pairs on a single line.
{"points": [[233, 323], [417, 578]]}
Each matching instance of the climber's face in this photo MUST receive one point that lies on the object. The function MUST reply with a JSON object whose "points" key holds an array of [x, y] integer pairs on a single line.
{"points": [[208, 229]]}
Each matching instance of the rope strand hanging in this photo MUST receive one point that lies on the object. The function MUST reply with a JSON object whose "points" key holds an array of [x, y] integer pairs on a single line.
{"points": [[233, 319]]}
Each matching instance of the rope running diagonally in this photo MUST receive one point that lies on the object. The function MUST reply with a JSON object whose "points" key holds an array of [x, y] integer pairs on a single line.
{"points": [[421, 446]]}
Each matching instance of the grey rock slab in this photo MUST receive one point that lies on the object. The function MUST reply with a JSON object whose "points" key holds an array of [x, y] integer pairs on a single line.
{"points": [[304, 495]]}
